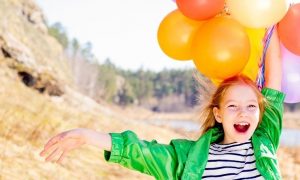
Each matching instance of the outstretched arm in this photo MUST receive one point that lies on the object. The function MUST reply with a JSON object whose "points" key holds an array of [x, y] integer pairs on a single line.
{"points": [[149, 157], [58, 146], [273, 63]]}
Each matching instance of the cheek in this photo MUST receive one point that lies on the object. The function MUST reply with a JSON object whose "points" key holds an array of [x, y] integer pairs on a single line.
{"points": [[230, 113], [255, 119], [256, 115], [227, 122]]}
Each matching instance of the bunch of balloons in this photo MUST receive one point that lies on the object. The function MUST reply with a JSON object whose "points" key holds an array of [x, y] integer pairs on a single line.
{"points": [[288, 31], [225, 37]]}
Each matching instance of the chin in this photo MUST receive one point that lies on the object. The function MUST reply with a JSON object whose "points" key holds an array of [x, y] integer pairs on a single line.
{"points": [[243, 138]]}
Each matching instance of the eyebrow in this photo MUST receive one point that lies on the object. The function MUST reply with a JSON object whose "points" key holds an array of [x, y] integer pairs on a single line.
{"points": [[230, 100]]}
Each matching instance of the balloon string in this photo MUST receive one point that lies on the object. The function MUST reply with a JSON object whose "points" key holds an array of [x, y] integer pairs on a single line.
{"points": [[260, 81]]}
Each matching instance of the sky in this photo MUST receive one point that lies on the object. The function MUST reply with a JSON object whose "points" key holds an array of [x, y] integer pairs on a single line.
{"points": [[125, 31]]}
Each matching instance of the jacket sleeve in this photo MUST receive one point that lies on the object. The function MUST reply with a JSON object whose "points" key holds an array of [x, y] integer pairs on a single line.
{"points": [[272, 118], [152, 158]]}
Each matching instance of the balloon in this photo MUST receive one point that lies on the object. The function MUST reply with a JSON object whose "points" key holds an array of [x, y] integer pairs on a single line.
{"points": [[256, 42], [216, 82], [291, 76], [294, 1], [258, 13], [200, 9], [175, 35], [288, 29], [221, 48]]}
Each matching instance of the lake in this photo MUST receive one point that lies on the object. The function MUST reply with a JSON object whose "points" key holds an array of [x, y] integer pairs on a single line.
{"points": [[289, 137]]}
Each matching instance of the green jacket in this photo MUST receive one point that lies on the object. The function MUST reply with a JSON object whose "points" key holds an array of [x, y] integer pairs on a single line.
{"points": [[186, 159]]}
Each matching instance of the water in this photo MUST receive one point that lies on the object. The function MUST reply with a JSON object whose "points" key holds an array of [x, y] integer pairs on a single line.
{"points": [[289, 137], [177, 124]]}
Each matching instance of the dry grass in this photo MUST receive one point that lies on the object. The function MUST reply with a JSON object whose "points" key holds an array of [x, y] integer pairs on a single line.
{"points": [[28, 119], [289, 161], [291, 120]]}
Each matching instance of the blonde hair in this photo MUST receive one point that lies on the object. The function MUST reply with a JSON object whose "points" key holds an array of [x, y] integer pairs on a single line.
{"points": [[207, 118]]}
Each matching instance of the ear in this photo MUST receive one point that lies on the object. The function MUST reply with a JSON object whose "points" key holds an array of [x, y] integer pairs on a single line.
{"points": [[217, 115]]}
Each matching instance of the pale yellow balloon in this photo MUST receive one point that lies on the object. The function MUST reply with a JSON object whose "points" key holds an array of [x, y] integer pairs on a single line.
{"points": [[257, 13]]}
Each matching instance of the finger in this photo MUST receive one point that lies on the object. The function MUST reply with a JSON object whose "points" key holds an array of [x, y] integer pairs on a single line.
{"points": [[49, 149], [52, 155], [52, 141], [62, 157], [55, 139]]}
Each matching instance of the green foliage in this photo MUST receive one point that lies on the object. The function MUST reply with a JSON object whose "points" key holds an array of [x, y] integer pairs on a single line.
{"points": [[126, 95], [86, 52], [128, 87], [141, 83], [58, 32], [108, 80], [149, 84]]}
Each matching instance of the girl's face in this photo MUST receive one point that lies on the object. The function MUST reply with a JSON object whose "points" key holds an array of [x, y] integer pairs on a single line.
{"points": [[238, 113]]}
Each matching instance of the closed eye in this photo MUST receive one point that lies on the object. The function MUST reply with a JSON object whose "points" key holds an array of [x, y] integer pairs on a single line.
{"points": [[252, 107], [232, 106]]}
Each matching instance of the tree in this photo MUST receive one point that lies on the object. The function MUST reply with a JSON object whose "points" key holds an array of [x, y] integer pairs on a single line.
{"points": [[58, 32], [108, 80], [126, 95]]}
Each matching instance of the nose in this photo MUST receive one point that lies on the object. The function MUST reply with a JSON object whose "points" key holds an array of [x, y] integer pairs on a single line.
{"points": [[243, 112]]}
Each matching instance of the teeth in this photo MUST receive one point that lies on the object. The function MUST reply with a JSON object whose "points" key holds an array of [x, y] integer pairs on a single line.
{"points": [[243, 124]]}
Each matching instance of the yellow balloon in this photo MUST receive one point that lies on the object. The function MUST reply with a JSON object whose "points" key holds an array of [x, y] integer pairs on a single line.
{"points": [[176, 34], [256, 41], [258, 13]]}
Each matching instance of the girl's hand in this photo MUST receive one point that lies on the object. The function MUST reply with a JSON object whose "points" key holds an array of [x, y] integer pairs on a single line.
{"points": [[58, 146]]}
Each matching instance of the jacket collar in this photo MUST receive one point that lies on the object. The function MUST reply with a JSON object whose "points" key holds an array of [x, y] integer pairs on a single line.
{"points": [[198, 154]]}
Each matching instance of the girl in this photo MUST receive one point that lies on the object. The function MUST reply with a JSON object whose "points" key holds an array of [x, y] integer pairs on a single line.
{"points": [[240, 135]]}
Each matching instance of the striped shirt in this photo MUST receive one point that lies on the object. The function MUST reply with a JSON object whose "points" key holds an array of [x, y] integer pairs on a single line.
{"points": [[231, 161]]}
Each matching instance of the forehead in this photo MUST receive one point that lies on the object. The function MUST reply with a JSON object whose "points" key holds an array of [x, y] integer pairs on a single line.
{"points": [[239, 93]]}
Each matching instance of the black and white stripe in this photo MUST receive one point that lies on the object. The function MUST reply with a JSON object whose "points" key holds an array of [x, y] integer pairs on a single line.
{"points": [[231, 161]]}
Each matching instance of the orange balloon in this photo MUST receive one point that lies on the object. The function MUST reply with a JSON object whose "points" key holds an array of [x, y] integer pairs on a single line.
{"points": [[256, 41], [216, 82], [175, 35], [288, 29], [221, 48]]}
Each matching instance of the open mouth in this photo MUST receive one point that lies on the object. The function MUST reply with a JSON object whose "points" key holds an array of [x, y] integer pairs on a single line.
{"points": [[241, 127]]}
